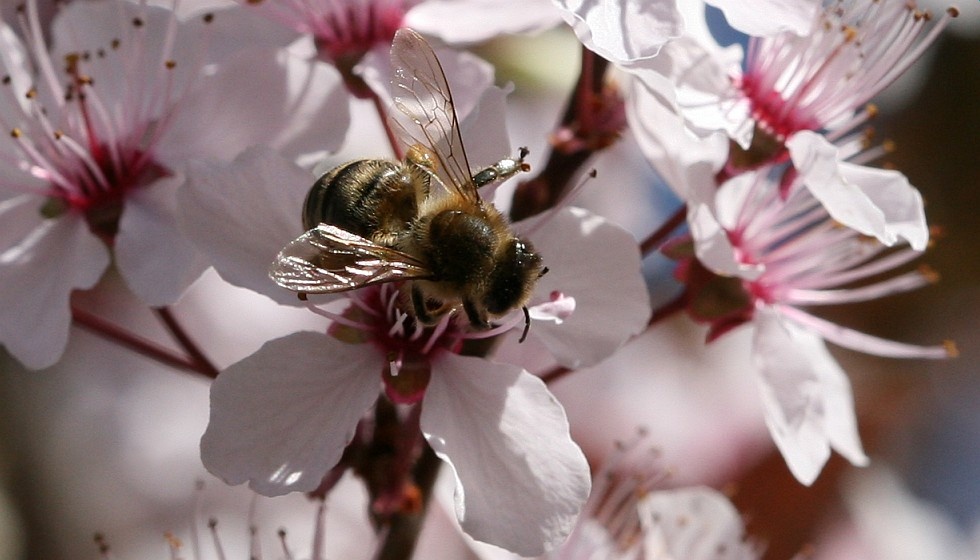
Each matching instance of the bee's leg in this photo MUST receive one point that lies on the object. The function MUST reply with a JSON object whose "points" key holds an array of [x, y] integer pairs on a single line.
{"points": [[501, 170], [478, 317]]}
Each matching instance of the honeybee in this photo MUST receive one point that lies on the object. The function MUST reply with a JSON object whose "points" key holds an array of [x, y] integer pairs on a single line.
{"points": [[420, 220]]}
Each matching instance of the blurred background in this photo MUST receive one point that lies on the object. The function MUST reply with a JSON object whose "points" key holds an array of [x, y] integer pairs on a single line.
{"points": [[106, 442]]}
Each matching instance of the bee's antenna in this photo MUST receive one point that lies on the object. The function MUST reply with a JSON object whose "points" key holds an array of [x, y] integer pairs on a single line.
{"points": [[543, 272], [301, 296], [527, 324]]}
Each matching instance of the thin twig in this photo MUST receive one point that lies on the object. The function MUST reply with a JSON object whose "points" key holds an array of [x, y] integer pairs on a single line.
{"points": [[201, 361], [545, 190], [134, 342], [396, 146], [656, 239]]}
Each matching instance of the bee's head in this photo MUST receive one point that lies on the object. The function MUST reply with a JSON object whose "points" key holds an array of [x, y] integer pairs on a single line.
{"points": [[517, 269]]}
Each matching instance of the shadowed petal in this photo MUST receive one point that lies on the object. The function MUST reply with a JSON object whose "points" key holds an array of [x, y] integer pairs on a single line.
{"points": [[41, 263], [597, 263], [240, 215], [520, 479], [154, 257], [280, 419], [807, 396]]}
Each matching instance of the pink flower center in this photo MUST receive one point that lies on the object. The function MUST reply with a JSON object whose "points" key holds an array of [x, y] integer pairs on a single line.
{"points": [[92, 139], [375, 316], [343, 30]]}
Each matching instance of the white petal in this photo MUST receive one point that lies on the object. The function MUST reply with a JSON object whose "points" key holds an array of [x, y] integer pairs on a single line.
{"points": [[240, 215], [692, 524], [807, 397], [598, 263], [479, 20], [900, 202], [687, 163], [768, 17], [157, 261], [714, 249], [41, 262], [262, 97], [623, 32], [281, 418], [93, 26], [874, 202], [520, 479]]}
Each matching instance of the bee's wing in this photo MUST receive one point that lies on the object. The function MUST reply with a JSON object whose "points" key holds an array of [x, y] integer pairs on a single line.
{"points": [[328, 259], [421, 93]]}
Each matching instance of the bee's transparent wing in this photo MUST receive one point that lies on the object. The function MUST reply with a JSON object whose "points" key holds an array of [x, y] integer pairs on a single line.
{"points": [[421, 93], [328, 259]]}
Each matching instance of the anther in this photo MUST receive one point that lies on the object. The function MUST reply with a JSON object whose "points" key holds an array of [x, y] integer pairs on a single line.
{"points": [[15, 133], [208, 17], [137, 22], [170, 64]]}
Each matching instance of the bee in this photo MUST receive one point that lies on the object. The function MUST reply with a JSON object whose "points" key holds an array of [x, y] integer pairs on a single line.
{"points": [[421, 220]]}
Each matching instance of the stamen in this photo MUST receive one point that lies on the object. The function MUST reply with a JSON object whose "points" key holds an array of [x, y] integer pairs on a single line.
{"points": [[288, 554], [336, 317], [103, 545], [218, 548], [437, 332], [319, 531]]}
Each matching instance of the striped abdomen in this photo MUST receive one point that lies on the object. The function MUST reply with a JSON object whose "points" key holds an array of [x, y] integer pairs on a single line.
{"points": [[369, 197]]}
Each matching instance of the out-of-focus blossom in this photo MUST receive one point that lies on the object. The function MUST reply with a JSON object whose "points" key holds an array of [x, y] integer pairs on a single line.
{"points": [[355, 35], [695, 523], [627, 518], [763, 260], [99, 128], [820, 80], [888, 521]]}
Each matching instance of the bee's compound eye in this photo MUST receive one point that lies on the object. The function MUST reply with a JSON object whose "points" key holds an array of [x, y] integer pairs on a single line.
{"points": [[513, 278]]}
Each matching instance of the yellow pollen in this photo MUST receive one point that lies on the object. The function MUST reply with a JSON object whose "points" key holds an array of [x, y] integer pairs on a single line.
{"points": [[31, 93], [850, 34], [58, 134], [15, 133], [951, 350]]}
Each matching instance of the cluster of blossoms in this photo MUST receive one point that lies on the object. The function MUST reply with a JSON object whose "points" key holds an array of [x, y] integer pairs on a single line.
{"points": [[150, 140]]}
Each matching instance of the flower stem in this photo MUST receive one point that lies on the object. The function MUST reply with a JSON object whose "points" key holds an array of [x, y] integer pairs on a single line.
{"points": [[201, 362], [403, 528], [546, 189], [656, 239], [396, 146], [136, 343]]}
